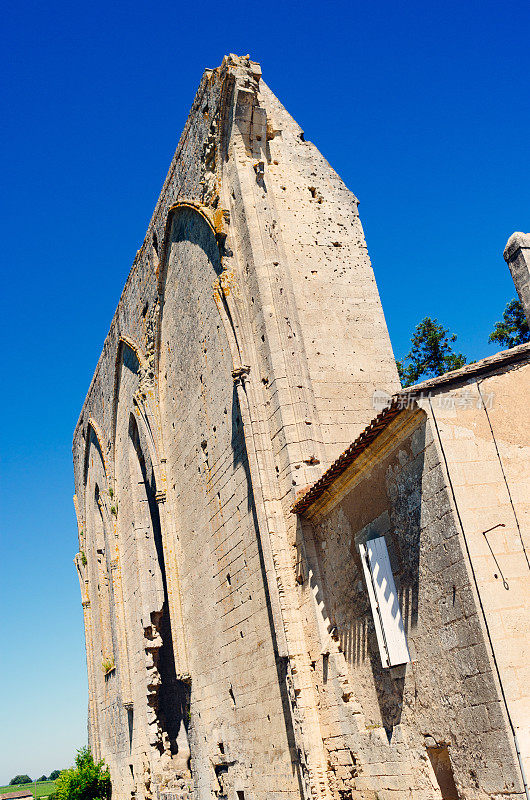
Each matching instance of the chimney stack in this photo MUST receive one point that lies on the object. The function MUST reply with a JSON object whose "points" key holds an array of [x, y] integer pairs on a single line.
{"points": [[517, 256]]}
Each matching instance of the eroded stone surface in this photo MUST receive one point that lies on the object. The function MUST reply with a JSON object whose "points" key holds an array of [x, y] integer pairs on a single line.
{"points": [[229, 648]]}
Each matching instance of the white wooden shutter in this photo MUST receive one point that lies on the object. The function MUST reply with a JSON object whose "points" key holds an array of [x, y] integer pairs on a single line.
{"points": [[384, 601]]}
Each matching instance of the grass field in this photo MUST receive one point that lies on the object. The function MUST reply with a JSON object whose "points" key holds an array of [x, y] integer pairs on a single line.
{"points": [[44, 788]]}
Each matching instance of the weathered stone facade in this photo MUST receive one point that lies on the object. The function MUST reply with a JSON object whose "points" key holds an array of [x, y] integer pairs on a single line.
{"points": [[228, 644], [442, 475]]}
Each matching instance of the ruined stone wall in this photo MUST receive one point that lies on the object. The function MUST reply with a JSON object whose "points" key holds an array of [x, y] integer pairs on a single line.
{"points": [[212, 403], [386, 729]]}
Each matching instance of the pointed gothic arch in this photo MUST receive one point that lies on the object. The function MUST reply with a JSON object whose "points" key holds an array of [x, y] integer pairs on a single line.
{"points": [[94, 430]]}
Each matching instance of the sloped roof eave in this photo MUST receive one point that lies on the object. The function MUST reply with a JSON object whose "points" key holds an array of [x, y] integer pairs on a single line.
{"points": [[351, 453]]}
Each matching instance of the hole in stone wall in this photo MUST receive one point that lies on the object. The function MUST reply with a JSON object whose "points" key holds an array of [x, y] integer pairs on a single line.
{"points": [[240, 795], [130, 721], [221, 747], [221, 771], [443, 771]]}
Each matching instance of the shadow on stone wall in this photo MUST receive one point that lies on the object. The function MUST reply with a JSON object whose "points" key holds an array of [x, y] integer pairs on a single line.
{"points": [[241, 457], [387, 502], [173, 696]]}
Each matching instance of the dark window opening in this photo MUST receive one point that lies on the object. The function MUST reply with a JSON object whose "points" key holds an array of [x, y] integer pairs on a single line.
{"points": [[443, 771]]}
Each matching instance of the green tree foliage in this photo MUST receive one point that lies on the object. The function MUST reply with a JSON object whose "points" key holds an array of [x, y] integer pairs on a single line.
{"points": [[18, 780], [43, 778], [86, 781], [431, 353], [54, 775], [513, 328]]}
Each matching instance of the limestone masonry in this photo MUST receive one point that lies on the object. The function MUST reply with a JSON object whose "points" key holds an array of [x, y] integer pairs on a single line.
{"points": [[298, 581]]}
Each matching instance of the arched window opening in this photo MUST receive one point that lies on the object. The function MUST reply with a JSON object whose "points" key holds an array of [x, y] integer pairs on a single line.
{"points": [[168, 696], [104, 586]]}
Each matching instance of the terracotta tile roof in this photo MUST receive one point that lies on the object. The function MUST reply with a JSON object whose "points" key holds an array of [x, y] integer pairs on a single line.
{"points": [[348, 457], [399, 402], [14, 795]]}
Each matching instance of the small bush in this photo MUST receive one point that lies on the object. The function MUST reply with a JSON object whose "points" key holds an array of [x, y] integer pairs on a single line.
{"points": [[107, 665], [18, 780], [84, 561], [43, 778], [86, 781]]}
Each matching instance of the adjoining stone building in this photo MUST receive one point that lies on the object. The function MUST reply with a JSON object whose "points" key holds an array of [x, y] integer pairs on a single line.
{"points": [[439, 482], [238, 646]]}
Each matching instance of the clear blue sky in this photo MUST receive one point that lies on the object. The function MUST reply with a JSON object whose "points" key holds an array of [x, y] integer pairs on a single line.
{"points": [[422, 108]]}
